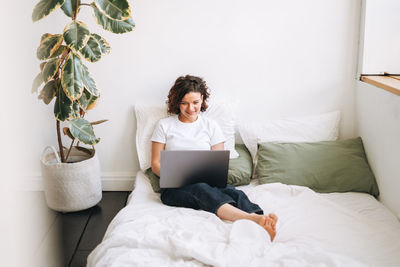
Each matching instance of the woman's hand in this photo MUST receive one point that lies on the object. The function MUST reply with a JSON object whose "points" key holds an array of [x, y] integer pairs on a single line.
{"points": [[156, 157], [219, 146]]}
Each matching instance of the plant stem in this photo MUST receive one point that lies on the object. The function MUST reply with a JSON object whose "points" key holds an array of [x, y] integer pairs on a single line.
{"points": [[69, 150], [76, 9], [60, 145], [63, 57]]}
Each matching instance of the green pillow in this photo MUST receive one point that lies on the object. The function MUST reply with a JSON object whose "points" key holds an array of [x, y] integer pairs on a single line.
{"points": [[154, 180], [241, 168], [328, 166], [239, 173]]}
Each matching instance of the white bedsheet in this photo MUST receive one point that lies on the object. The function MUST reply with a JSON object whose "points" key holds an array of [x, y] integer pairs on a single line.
{"points": [[339, 229]]}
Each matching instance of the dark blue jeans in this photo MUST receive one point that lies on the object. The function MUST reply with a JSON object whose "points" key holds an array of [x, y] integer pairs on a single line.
{"points": [[201, 196]]}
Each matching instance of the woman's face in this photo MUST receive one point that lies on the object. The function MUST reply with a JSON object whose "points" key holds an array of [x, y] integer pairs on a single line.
{"points": [[190, 106]]}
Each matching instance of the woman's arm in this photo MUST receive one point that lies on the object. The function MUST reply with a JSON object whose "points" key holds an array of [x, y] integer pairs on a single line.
{"points": [[156, 157], [219, 146]]}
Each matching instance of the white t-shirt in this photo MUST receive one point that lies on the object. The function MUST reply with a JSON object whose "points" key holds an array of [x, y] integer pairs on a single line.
{"points": [[198, 135]]}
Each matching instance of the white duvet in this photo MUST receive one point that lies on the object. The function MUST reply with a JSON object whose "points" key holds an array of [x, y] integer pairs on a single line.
{"points": [[338, 229]]}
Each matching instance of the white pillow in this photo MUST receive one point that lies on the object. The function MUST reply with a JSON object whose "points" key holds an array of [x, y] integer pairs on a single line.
{"points": [[222, 114], [324, 127], [146, 120], [148, 116]]}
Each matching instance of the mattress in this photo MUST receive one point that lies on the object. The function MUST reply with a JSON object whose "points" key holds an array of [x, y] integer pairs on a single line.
{"points": [[335, 229]]}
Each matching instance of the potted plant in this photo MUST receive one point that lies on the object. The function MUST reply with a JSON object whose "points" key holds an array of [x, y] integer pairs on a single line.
{"points": [[71, 176]]}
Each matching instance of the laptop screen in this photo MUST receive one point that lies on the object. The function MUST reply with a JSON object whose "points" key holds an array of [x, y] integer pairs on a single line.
{"points": [[184, 167]]}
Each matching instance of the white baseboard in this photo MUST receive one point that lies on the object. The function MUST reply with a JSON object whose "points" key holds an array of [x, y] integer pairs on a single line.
{"points": [[110, 181]]}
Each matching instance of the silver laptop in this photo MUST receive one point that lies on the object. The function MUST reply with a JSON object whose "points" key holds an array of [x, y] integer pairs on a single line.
{"points": [[184, 167]]}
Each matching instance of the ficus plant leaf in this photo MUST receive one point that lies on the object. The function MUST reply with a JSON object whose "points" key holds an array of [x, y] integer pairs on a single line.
{"points": [[67, 132], [84, 149], [97, 122], [69, 7], [114, 26], [76, 34], [44, 36], [66, 79], [91, 51], [82, 130], [50, 69], [48, 45], [114, 9], [104, 45], [76, 108], [42, 66], [44, 8], [63, 109], [89, 82], [87, 100], [48, 92], [37, 82], [59, 51], [71, 77]]}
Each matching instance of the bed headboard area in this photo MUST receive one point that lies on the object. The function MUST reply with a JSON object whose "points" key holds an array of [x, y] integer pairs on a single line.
{"points": [[303, 151]]}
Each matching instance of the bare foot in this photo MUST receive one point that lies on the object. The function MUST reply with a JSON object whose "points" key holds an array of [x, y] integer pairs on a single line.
{"points": [[269, 225], [274, 219]]}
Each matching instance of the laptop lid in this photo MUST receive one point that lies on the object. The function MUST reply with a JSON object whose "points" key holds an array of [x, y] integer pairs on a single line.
{"points": [[184, 167]]}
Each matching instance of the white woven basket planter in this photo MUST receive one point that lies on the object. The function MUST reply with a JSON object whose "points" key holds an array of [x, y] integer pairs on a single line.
{"points": [[71, 186]]}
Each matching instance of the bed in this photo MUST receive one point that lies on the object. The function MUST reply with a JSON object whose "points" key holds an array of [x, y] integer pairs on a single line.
{"points": [[339, 227], [334, 229]]}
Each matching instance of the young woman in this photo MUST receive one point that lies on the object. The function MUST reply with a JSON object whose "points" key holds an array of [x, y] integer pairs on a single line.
{"points": [[187, 129]]}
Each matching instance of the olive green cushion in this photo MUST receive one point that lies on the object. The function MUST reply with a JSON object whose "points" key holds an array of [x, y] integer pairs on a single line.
{"points": [[329, 166], [154, 180], [240, 170]]}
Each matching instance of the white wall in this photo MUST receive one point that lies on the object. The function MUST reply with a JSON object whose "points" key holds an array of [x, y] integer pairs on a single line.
{"points": [[378, 123], [271, 58], [377, 110]]}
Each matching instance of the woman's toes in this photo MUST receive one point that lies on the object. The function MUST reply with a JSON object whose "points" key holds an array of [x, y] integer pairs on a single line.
{"points": [[273, 217], [271, 232], [268, 224]]}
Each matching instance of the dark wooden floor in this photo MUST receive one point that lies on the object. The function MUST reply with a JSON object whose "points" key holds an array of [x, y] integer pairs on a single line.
{"points": [[82, 231]]}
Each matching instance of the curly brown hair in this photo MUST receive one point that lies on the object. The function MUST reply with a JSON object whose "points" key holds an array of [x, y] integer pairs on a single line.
{"points": [[183, 85]]}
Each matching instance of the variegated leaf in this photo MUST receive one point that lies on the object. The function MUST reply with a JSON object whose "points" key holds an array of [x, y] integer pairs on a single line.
{"points": [[58, 52], [44, 36], [104, 45], [37, 82], [87, 100], [97, 122], [48, 92], [50, 69], [49, 45], [84, 149], [42, 65], [44, 8], [75, 107], [93, 103], [69, 7], [91, 51], [63, 109], [114, 9], [89, 82], [67, 132], [83, 131], [114, 26], [71, 77], [76, 34]]}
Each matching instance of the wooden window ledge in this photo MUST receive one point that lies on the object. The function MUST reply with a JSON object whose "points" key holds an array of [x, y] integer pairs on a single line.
{"points": [[386, 82]]}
